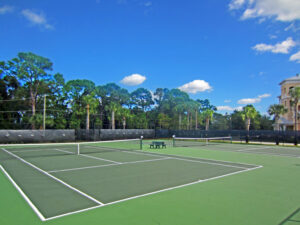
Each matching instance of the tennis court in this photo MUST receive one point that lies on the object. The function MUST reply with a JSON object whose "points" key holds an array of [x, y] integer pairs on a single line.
{"points": [[226, 144], [62, 179]]}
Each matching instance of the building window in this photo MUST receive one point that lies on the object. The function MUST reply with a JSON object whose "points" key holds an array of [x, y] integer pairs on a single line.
{"points": [[284, 91]]}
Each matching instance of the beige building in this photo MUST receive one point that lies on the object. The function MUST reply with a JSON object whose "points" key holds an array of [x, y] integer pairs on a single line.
{"points": [[287, 121]]}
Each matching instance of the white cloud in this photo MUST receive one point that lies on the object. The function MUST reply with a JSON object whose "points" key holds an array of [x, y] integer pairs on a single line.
{"points": [[283, 47], [228, 108], [239, 108], [246, 101], [36, 19], [148, 4], [281, 10], [196, 86], [272, 36], [133, 80], [6, 9], [264, 96], [236, 4], [295, 57], [293, 27]]}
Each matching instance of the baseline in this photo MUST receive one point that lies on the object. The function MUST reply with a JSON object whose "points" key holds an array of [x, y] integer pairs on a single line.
{"points": [[155, 192], [53, 177], [91, 167], [150, 160], [212, 161], [34, 208]]}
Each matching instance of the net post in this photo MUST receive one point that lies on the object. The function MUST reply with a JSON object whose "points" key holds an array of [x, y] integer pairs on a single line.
{"points": [[230, 139], [78, 149], [206, 140], [141, 143], [173, 137]]}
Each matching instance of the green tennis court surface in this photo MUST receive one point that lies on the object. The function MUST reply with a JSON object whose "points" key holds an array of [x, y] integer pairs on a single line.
{"points": [[216, 183], [287, 151], [294, 218], [57, 181]]}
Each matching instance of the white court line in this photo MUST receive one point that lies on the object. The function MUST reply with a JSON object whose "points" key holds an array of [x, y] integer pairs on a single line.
{"points": [[199, 159], [55, 178], [182, 158], [35, 209], [150, 160], [88, 156], [98, 158], [60, 150], [271, 153], [99, 166], [262, 153], [31, 150], [211, 138], [67, 143], [249, 149], [151, 193], [191, 157], [167, 189], [131, 151], [218, 164]]}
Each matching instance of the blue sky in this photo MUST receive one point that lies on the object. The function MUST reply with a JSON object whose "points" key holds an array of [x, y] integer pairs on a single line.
{"points": [[232, 52]]}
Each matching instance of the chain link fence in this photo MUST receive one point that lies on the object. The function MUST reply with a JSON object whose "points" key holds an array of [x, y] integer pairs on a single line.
{"points": [[36, 136], [237, 135], [117, 134], [41, 136], [44, 136]]}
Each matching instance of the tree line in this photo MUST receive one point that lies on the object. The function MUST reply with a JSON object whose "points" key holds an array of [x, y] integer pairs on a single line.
{"points": [[31, 97]]}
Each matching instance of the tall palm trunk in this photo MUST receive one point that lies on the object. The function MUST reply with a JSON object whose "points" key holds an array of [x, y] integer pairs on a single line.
{"points": [[296, 119], [188, 121], [277, 123], [196, 120], [113, 126], [124, 122], [33, 107], [88, 117], [206, 123], [248, 124], [179, 122]]}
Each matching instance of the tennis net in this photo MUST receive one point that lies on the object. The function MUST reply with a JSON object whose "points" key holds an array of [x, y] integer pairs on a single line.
{"points": [[109, 146], [44, 150], [191, 142], [39, 150]]}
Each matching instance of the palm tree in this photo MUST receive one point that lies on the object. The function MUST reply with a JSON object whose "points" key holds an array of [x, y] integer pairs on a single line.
{"points": [[180, 109], [277, 110], [248, 113], [196, 108], [113, 107], [295, 95], [208, 115], [125, 113], [91, 107]]}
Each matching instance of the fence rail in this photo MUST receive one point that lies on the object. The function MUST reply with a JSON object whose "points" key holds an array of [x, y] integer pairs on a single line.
{"points": [[71, 135], [42, 136], [237, 135]]}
